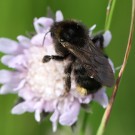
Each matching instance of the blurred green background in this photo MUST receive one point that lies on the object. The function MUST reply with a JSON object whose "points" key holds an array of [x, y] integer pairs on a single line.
{"points": [[16, 17]]}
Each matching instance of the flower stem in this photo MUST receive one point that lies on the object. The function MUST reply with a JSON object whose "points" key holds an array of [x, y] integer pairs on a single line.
{"points": [[109, 107], [109, 13], [84, 123]]}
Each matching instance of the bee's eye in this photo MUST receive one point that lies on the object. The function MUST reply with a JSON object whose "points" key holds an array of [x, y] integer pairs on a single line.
{"points": [[66, 36], [71, 32]]}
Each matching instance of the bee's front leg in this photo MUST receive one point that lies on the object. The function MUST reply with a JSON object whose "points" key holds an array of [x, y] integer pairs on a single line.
{"points": [[47, 58]]}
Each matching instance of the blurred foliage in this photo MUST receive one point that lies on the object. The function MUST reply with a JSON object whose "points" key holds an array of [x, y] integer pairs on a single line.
{"points": [[16, 18]]}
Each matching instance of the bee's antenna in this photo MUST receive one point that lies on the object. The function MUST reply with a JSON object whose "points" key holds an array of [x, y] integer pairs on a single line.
{"points": [[44, 38]]}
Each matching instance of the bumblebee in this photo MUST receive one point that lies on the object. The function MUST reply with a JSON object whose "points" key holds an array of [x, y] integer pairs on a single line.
{"points": [[85, 59]]}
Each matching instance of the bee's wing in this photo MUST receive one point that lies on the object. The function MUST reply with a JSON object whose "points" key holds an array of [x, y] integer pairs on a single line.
{"points": [[95, 63]]}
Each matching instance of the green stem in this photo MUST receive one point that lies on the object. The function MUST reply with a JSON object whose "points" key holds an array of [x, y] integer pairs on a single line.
{"points": [[109, 14], [107, 113]]}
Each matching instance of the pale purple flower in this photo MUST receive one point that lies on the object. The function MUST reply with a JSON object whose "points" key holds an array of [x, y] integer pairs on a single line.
{"points": [[41, 85]]}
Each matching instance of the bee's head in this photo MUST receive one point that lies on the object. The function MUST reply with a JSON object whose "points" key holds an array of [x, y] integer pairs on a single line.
{"points": [[69, 31]]}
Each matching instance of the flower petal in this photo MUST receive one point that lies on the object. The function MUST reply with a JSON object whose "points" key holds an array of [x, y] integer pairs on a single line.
{"points": [[49, 106], [101, 97], [107, 38], [20, 85], [6, 59], [42, 24], [19, 108], [59, 16], [10, 79], [17, 62], [54, 119], [38, 40], [91, 29], [26, 93], [9, 46], [86, 99], [24, 41], [23, 107], [70, 116], [7, 88], [6, 76], [37, 115]]}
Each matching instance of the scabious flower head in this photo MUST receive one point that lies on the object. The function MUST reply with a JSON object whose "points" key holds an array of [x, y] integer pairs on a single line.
{"points": [[40, 86]]}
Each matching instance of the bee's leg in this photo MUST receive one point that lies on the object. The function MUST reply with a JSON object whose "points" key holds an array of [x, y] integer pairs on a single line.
{"points": [[58, 58], [101, 39], [98, 40], [67, 78], [47, 58]]}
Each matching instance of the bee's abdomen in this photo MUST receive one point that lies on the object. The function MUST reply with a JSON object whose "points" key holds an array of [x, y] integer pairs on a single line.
{"points": [[83, 80]]}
